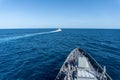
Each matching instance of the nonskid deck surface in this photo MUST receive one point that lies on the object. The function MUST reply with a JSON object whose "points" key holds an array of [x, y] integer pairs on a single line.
{"points": [[78, 67], [86, 71]]}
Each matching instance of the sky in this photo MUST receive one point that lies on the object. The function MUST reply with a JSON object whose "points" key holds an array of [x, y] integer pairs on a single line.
{"points": [[60, 13]]}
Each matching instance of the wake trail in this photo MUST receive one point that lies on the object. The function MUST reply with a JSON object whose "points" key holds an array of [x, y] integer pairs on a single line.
{"points": [[27, 35]]}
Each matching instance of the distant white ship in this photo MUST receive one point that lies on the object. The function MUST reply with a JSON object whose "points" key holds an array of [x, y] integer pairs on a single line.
{"points": [[59, 29]]}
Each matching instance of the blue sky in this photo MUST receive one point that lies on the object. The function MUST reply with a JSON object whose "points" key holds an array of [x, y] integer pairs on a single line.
{"points": [[59, 13]]}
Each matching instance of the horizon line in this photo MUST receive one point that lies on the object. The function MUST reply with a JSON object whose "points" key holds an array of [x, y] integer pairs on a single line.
{"points": [[59, 27]]}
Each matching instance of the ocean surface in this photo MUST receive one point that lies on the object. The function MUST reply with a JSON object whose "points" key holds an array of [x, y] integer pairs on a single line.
{"points": [[38, 54]]}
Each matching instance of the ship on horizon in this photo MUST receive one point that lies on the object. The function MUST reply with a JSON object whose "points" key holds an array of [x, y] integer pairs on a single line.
{"points": [[59, 29]]}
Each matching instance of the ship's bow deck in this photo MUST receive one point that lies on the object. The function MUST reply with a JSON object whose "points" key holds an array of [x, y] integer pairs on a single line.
{"points": [[80, 66]]}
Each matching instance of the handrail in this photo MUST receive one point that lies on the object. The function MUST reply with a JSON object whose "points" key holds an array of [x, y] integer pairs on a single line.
{"points": [[95, 63]]}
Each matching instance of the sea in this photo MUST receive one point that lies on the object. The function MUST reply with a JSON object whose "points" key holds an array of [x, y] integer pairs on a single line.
{"points": [[38, 54]]}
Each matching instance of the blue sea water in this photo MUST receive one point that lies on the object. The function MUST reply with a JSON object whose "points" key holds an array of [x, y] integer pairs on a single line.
{"points": [[39, 57]]}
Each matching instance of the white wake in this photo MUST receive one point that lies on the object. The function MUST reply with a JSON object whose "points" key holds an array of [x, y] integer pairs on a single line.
{"points": [[27, 35]]}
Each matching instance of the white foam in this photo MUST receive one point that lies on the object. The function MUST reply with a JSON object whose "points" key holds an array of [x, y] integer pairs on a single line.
{"points": [[27, 35]]}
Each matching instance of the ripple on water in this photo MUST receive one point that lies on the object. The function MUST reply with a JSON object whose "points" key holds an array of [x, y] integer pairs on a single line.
{"points": [[40, 57]]}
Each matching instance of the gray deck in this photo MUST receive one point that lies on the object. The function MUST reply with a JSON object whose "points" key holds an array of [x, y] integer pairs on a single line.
{"points": [[78, 67]]}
